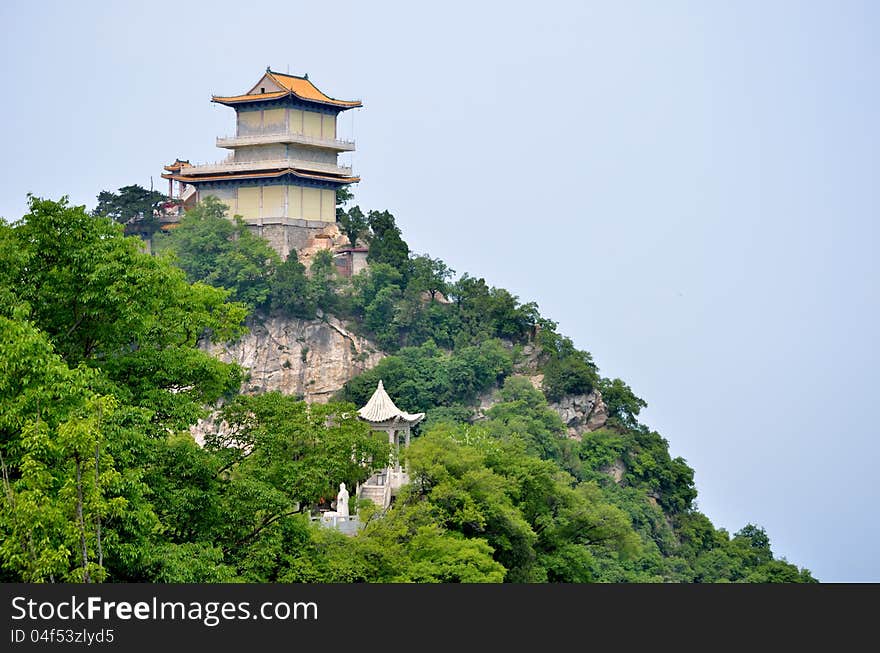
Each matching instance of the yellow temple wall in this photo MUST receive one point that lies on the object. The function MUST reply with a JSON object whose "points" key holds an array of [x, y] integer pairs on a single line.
{"points": [[249, 122], [278, 201], [328, 126], [294, 121], [274, 120], [229, 197], [317, 204], [249, 201], [274, 201]]}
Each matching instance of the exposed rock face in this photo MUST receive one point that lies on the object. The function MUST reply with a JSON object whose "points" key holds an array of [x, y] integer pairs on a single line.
{"points": [[309, 358], [616, 470], [530, 359], [598, 416], [582, 413]]}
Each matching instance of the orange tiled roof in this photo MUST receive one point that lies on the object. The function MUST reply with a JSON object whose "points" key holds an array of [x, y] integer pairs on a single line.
{"points": [[177, 165], [299, 87], [233, 99]]}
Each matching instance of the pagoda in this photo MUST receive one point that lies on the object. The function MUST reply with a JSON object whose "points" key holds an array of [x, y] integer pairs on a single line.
{"points": [[282, 172]]}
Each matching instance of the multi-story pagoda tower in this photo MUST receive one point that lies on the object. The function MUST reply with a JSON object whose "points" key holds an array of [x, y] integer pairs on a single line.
{"points": [[283, 173]]}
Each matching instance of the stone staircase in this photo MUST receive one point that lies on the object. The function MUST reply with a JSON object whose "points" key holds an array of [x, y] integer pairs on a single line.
{"points": [[378, 494]]}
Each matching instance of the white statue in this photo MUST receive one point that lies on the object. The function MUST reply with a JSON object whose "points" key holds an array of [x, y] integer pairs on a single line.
{"points": [[342, 501]]}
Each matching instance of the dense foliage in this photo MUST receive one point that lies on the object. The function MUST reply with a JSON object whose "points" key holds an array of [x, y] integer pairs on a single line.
{"points": [[131, 203], [102, 376], [426, 376]]}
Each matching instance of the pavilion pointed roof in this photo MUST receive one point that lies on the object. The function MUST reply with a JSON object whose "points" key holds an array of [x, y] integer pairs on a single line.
{"points": [[380, 408], [274, 85]]}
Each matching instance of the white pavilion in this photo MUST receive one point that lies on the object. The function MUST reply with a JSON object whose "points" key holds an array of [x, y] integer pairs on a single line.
{"points": [[382, 415]]}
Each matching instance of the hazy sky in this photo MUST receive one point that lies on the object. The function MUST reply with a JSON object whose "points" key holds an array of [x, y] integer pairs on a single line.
{"points": [[688, 188]]}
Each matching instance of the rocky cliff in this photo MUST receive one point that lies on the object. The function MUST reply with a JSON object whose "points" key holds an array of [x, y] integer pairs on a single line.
{"points": [[314, 358], [581, 413], [307, 358]]}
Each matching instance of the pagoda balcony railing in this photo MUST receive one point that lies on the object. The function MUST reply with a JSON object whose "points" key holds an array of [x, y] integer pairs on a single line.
{"points": [[285, 137], [230, 165]]}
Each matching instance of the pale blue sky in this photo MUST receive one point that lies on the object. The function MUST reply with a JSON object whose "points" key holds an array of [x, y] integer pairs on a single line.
{"points": [[688, 188]]}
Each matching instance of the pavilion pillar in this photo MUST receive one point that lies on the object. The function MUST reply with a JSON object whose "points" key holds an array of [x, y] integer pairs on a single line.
{"points": [[406, 446], [392, 440]]}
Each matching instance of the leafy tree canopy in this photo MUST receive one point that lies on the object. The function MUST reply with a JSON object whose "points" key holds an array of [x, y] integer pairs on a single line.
{"points": [[130, 202], [103, 377], [223, 253], [353, 223], [386, 244]]}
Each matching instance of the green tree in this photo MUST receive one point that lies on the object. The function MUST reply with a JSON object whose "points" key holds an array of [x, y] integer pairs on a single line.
{"points": [[404, 546], [103, 375], [223, 253], [343, 197], [423, 377], [754, 545], [353, 222], [375, 294], [622, 403], [280, 456], [321, 286], [430, 275], [386, 244], [368, 283], [104, 303], [465, 496], [62, 493], [380, 317], [492, 312], [101, 364], [289, 291], [131, 202], [522, 414], [539, 526], [567, 371], [780, 571]]}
